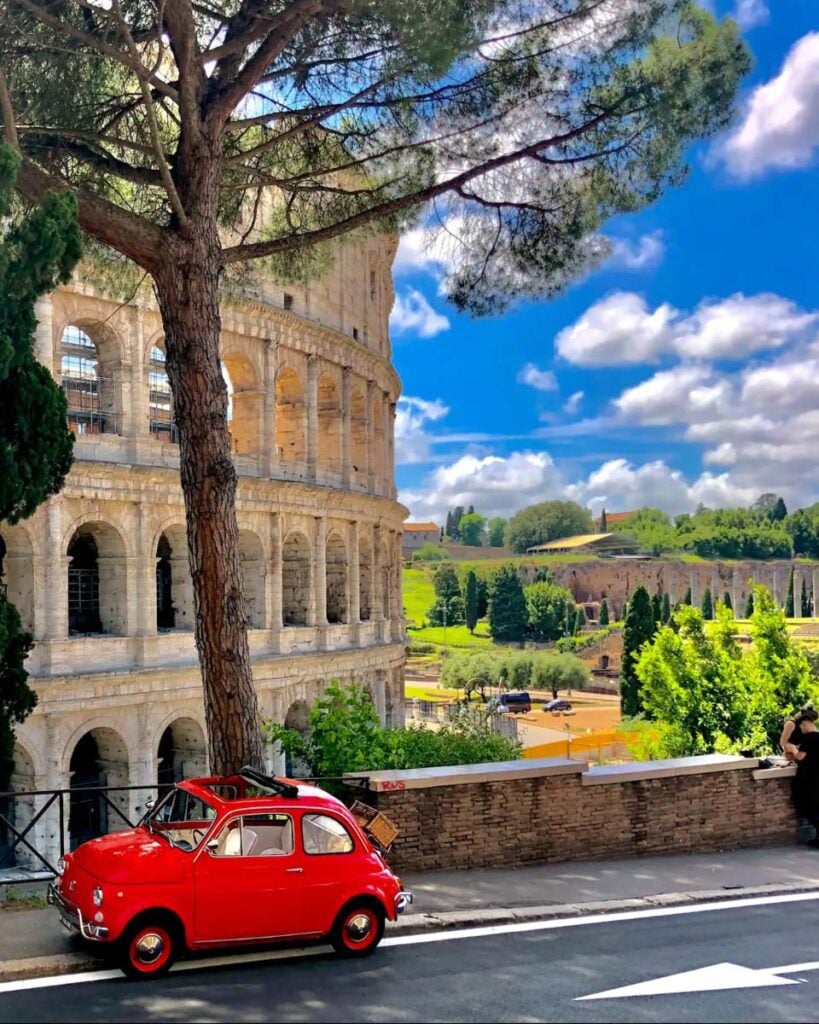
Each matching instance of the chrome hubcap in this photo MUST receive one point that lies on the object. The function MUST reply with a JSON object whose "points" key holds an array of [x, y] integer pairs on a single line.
{"points": [[358, 927], [150, 948]]}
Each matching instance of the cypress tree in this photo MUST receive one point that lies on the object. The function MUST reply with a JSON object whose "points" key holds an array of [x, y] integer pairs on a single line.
{"points": [[789, 598], [507, 605], [726, 600], [471, 600], [604, 613], [639, 630], [604, 523], [749, 605], [687, 598], [37, 252], [579, 620], [805, 601], [665, 615], [657, 607], [707, 604]]}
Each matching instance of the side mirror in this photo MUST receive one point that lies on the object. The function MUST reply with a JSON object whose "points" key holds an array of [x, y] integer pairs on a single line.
{"points": [[150, 803], [212, 847]]}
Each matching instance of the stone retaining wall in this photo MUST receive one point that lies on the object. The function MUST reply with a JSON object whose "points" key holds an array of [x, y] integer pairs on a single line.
{"points": [[517, 812]]}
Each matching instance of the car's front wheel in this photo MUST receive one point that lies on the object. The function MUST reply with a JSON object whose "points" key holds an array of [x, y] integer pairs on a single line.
{"points": [[148, 949], [358, 929]]}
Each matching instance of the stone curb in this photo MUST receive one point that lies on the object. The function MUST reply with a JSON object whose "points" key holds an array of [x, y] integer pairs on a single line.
{"points": [[415, 924]]}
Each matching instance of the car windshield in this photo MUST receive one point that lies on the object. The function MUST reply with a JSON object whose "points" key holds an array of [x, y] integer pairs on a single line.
{"points": [[181, 818]]}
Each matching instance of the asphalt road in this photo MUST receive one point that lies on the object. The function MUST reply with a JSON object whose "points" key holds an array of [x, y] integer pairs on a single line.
{"points": [[513, 974]]}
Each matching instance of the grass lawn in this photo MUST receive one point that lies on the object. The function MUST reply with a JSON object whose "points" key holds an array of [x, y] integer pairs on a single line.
{"points": [[453, 636], [419, 594]]}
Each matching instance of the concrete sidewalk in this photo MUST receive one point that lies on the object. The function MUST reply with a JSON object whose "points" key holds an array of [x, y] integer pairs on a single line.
{"points": [[32, 942]]}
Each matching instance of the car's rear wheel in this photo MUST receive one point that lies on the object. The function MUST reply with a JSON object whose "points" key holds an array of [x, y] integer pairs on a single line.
{"points": [[148, 950], [358, 929]]}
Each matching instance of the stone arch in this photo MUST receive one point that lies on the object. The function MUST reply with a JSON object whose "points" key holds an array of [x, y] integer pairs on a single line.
{"points": [[99, 758], [245, 394], [291, 417], [89, 358], [251, 557], [378, 453], [97, 584], [296, 566], [336, 576], [297, 718], [182, 752], [161, 424], [175, 548], [329, 424], [365, 579], [17, 571], [358, 438], [19, 810]]}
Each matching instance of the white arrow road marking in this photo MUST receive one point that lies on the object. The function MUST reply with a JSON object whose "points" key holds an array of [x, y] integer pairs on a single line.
{"points": [[716, 978]]}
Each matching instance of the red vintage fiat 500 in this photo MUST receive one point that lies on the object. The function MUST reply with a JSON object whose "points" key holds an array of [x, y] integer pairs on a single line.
{"points": [[230, 861]]}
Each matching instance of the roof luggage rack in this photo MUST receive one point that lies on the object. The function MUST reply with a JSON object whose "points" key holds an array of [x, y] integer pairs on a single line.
{"points": [[277, 786]]}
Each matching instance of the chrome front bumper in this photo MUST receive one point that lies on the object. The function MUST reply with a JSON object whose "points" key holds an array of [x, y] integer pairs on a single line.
{"points": [[72, 919], [402, 901]]}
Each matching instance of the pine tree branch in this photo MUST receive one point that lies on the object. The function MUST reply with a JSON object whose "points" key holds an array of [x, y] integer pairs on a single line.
{"points": [[258, 250], [140, 240], [150, 113], [234, 90], [95, 43]]}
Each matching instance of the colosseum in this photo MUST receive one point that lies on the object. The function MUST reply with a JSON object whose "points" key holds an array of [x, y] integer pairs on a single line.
{"points": [[100, 572]]}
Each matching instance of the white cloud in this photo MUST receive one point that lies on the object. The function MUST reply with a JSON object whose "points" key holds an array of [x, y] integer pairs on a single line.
{"points": [[573, 403], [750, 13], [617, 329], [621, 329], [682, 394], [495, 485], [780, 125], [413, 313], [540, 380], [412, 415], [643, 253]]}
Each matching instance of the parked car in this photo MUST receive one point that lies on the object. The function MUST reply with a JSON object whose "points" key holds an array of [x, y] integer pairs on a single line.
{"points": [[226, 862], [511, 703], [561, 704]]}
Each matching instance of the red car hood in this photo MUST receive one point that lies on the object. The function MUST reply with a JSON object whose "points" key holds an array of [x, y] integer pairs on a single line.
{"points": [[132, 857]]}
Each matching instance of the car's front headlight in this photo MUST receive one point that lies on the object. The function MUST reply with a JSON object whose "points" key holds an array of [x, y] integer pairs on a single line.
{"points": [[97, 897]]}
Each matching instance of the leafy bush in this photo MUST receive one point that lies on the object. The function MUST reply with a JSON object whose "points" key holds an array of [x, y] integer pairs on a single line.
{"points": [[429, 553], [345, 735], [704, 693], [420, 647]]}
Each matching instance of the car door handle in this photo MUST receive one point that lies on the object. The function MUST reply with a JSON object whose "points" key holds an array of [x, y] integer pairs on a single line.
{"points": [[293, 871]]}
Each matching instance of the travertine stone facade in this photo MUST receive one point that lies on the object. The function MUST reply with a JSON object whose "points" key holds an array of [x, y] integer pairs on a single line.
{"points": [[100, 573]]}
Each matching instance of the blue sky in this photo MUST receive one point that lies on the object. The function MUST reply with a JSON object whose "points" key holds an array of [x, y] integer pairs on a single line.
{"points": [[684, 370]]}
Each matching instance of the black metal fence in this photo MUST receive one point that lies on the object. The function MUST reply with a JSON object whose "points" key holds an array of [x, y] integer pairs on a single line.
{"points": [[38, 826]]}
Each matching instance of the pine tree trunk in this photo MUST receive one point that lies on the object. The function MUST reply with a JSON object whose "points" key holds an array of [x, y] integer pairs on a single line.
{"points": [[187, 286]]}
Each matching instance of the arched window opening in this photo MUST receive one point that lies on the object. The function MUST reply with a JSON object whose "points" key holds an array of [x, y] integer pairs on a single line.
{"points": [[84, 585], [165, 611], [336, 574], [160, 400], [89, 392]]}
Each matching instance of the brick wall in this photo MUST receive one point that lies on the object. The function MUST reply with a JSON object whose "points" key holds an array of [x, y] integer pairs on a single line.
{"points": [[564, 812]]}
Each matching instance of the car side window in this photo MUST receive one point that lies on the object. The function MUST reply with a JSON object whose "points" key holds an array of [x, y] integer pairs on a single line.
{"points": [[322, 834], [254, 835]]}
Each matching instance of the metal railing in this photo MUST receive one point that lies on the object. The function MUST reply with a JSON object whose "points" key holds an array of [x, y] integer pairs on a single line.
{"points": [[57, 809], [434, 712]]}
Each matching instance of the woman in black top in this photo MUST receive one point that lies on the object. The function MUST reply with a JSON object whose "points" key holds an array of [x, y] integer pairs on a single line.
{"points": [[792, 733], [806, 783]]}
